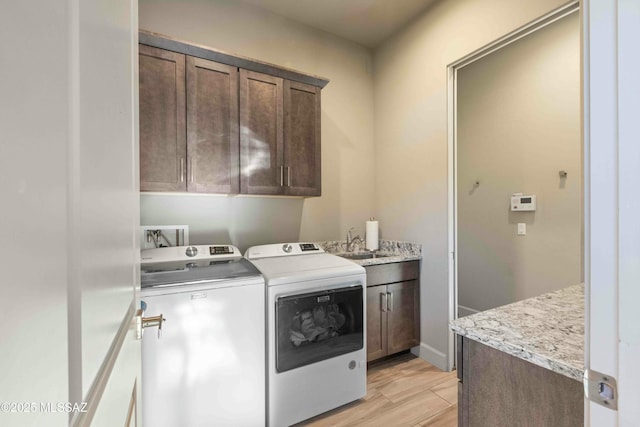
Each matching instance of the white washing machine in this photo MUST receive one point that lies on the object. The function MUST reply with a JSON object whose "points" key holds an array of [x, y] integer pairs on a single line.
{"points": [[316, 330], [207, 365]]}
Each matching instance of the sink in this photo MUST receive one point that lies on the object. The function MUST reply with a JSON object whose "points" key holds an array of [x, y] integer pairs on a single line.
{"points": [[362, 255]]}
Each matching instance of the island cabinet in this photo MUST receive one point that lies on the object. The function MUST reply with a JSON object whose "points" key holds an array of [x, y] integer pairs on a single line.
{"points": [[498, 389], [214, 123], [393, 308]]}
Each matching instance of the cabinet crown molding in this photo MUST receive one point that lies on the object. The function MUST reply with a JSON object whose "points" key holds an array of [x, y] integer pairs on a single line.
{"points": [[200, 51]]}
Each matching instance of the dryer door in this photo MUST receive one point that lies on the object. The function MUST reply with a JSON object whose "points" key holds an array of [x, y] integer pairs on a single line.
{"points": [[315, 326]]}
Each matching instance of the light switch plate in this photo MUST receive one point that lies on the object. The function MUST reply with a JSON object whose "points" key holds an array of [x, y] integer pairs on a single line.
{"points": [[522, 229]]}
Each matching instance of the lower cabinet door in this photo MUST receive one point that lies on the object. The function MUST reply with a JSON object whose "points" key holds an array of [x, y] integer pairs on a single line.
{"points": [[376, 322], [403, 316]]}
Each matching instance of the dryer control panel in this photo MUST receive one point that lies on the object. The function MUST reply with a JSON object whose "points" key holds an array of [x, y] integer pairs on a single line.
{"points": [[283, 249]]}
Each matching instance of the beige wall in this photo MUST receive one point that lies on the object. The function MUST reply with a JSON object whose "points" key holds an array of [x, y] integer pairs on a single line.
{"points": [[518, 125], [347, 125], [410, 92]]}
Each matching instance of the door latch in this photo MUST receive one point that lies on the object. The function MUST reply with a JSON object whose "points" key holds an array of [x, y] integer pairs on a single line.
{"points": [[153, 321], [601, 389], [148, 322]]}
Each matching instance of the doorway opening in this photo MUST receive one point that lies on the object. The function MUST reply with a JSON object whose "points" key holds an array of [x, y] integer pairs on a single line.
{"points": [[514, 127]]}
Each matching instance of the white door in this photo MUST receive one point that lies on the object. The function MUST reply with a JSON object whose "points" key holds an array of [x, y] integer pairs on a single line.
{"points": [[104, 212], [69, 185], [612, 202]]}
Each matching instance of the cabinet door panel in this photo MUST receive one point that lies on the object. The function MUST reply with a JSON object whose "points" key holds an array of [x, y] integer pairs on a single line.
{"points": [[403, 316], [376, 323], [261, 135], [302, 139], [162, 120], [212, 127]]}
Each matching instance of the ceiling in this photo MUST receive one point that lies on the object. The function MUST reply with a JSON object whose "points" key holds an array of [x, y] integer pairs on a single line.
{"points": [[367, 22]]}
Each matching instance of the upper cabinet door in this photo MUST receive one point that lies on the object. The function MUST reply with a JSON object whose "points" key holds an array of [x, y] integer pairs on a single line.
{"points": [[212, 127], [302, 139], [162, 120], [261, 135]]}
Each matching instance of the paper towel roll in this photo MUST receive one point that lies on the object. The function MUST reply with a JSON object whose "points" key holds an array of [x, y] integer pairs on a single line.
{"points": [[372, 235]]}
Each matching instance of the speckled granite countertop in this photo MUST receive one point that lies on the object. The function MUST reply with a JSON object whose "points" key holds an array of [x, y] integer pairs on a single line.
{"points": [[547, 330], [392, 251]]}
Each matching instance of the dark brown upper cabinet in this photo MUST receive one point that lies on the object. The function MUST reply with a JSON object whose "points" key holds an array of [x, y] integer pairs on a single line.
{"points": [[279, 136], [188, 123], [212, 127], [215, 123], [261, 135], [302, 139], [163, 145]]}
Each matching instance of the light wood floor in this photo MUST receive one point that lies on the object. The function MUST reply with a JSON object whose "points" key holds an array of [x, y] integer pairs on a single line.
{"points": [[401, 392]]}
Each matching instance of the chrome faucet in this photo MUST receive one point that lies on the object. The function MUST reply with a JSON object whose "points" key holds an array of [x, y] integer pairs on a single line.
{"points": [[351, 240]]}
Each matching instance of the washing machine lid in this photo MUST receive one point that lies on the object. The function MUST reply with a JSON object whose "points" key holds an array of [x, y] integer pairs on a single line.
{"points": [[304, 267], [195, 271], [193, 264]]}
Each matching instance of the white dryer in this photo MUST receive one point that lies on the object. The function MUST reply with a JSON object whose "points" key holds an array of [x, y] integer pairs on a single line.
{"points": [[316, 330]]}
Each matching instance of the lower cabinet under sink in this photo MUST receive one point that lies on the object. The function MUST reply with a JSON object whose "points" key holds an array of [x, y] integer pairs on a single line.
{"points": [[393, 308]]}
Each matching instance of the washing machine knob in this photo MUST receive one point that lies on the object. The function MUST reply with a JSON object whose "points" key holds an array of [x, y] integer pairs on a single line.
{"points": [[287, 247], [191, 251]]}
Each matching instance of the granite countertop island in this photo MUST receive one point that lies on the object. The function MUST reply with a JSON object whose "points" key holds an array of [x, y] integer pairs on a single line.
{"points": [[547, 330], [390, 251]]}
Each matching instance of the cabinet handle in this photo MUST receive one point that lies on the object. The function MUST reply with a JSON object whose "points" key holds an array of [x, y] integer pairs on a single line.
{"points": [[191, 169], [288, 176], [383, 302], [281, 176], [390, 301], [181, 169]]}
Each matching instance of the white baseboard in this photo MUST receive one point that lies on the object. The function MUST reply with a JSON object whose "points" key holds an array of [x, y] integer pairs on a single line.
{"points": [[465, 311], [431, 355]]}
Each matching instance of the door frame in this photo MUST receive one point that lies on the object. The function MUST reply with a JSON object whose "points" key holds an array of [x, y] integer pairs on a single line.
{"points": [[611, 131], [452, 194]]}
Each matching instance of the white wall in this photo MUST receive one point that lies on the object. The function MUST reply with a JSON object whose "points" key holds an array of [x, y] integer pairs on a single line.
{"points": [[518, 125], [347, 125], [68, 178], [34, 130], [410, 92]]}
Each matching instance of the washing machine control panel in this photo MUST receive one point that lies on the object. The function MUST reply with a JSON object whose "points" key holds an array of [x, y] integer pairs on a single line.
{"points": [[193, 252], [304, 247], [220, 250]]}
